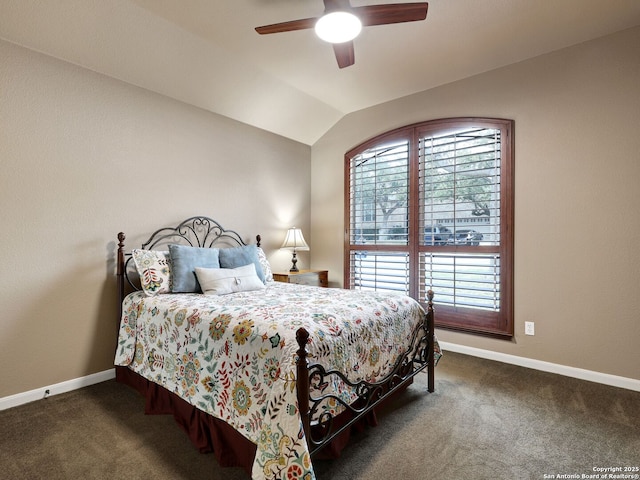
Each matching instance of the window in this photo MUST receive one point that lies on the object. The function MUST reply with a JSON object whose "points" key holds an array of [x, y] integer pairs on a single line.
{"points": [[430, 207]]}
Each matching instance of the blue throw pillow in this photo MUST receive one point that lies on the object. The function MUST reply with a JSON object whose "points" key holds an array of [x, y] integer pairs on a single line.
{"points": [[184, 261], [241, 256]]}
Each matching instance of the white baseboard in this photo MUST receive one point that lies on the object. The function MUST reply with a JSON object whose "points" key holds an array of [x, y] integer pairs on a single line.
{"points": [[591, 376], [58, 388]]}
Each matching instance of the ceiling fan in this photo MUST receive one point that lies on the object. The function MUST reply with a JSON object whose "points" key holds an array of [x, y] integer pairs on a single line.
{"points": [[349, 21]]}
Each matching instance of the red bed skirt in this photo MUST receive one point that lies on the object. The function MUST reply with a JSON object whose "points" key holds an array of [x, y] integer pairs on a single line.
{"points": [[210, 434], [207, 433]]}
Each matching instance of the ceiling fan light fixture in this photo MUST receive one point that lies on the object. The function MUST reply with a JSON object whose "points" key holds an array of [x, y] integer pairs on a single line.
{"points": [[338, 27]]}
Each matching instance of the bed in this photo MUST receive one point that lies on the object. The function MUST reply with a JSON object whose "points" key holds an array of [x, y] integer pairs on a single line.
{"points": [[266, 375]]}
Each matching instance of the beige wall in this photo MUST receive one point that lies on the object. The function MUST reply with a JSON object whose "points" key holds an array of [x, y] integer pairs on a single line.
{"points": [[577, 225], [84, 156]]}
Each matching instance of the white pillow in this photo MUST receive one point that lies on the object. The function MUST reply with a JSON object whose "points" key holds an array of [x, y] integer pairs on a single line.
{"points": [[220, 281], [266, 266]]}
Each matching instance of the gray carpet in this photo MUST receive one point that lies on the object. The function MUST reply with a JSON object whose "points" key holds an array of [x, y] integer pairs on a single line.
{"points": [[486, 420]]}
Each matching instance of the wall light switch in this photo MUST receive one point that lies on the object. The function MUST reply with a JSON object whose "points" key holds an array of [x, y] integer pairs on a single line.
{"points": [[529, 328]]}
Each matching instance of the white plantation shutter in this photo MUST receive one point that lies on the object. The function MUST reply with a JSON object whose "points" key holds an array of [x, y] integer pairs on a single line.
{"points": [[460, 195], [380, 271], [462, 280], [460, 181], [379, 179], [430, 207], [379, 187]]}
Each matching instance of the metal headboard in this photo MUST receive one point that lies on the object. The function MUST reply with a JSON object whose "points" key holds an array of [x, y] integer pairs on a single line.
{"points": [[198, 231]]}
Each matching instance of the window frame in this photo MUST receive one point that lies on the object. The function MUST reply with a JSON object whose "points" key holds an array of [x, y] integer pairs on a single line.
{"points": [[472, 320]]}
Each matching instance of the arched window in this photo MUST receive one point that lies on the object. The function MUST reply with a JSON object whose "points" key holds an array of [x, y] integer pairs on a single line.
{"points": [[430, 206]]}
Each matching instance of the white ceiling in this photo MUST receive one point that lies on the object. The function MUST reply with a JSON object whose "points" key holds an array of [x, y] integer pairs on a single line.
{"points": [[206, 52]]}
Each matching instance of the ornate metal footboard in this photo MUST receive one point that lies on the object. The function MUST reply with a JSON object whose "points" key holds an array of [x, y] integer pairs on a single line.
{"points": [[419, 356]]}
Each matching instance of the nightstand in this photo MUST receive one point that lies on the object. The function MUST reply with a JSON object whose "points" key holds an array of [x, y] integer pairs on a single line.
{"points": [[318, 278]]}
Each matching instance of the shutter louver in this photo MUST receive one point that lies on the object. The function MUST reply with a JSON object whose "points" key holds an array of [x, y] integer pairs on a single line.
{"points": [[460, 207], [380, 271], [460, 186], [379, 195], [461, 280], [379, 190]]}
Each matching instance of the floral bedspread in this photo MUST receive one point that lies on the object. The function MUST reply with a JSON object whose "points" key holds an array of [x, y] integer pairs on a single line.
{"points": [[233, 356]]}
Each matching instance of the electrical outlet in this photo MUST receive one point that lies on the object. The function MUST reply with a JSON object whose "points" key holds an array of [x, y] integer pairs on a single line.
{"points": [[529, 328]]}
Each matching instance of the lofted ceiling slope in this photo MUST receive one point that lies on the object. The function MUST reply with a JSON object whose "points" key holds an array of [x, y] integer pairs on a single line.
{"points": [[207, 53]]}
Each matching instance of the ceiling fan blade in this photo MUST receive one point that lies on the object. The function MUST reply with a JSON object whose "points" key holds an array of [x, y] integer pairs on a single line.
{"points": [[287, 26], [345, 54], [391, 13]]}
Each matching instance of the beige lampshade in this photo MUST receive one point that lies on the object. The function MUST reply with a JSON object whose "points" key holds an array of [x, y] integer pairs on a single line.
{"points": [[294, 240]]}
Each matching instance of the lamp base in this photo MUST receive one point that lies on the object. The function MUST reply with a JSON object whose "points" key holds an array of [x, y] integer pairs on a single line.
{"points": [[294, 260]]}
